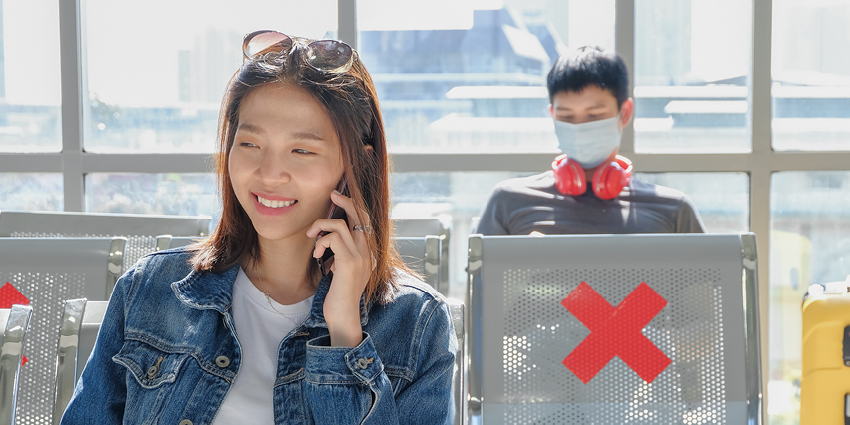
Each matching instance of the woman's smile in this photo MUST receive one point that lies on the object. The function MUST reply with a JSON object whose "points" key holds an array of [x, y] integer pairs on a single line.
{"points": [[271, 205]]}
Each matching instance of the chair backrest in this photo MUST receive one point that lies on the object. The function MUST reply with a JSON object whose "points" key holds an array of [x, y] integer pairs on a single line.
{"points": [[140, 230], [441, 227], [164, 242], [15, 323], [459, 382], [81, 320], [422, 255], [651, 329], [44, 273]]}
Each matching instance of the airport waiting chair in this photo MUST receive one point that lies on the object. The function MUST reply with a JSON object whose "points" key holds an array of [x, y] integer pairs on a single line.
{"points": [[420, 227], [422, 255], [646, 329], [140, 230], [15, 322], [43, 273], [81, 320]]}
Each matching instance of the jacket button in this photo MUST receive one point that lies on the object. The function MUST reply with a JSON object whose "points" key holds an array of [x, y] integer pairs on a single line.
{"points": [[221, 361], [363, 363], [152, 371], [185, 422]]}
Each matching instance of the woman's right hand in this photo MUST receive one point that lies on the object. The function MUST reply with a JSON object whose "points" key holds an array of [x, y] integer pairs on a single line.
{"points": [[352, 267]]}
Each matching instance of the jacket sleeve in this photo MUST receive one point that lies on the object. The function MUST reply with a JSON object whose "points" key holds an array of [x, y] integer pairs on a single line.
{"points": [[349, 385], [100, 393]]}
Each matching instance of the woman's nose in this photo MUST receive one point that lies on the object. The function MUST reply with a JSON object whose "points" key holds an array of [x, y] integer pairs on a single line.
{"points": [[274, 169]]}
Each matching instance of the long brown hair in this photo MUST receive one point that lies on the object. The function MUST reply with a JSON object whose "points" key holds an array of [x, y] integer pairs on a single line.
{"points": [[350, 101]]}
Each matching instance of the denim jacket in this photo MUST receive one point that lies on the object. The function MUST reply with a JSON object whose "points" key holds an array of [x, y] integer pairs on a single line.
{"points": [[167, 353]]}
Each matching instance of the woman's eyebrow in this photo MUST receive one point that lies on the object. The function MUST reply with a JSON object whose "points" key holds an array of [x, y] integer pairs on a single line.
{"points": [[307, 135], [251, 128], [298, 135]]}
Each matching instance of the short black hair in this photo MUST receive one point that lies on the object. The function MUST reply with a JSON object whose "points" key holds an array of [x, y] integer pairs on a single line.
{"points": [[589, 66]]}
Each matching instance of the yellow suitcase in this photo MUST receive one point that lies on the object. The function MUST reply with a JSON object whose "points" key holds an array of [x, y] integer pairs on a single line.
{"points": [[825, 387]]}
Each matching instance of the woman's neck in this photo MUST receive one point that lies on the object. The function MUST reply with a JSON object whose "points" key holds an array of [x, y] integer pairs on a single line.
{"points": [[282, 270]]}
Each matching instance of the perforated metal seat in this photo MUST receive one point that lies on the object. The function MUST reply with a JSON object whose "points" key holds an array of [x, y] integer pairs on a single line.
{"points": [[140, 230], [646, 329], [45, 272], [15, 323], [81, 320], [420, 227]]}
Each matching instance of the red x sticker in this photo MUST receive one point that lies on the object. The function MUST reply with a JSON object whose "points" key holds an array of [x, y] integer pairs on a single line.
{"points": [[8, 296], [615, 331]]}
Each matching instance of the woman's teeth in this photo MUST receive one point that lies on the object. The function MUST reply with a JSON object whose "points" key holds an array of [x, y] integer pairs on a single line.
{"points": [[275, 204]]}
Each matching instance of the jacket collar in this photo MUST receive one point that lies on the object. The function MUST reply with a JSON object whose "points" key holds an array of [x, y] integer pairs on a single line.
{"points": [[214, 291]]}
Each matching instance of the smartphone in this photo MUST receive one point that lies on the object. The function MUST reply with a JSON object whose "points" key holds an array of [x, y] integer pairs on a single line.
{"points": [[335, 212]]}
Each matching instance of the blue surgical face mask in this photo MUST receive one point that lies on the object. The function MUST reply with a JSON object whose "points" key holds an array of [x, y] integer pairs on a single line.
{"points": [[588, 143]]}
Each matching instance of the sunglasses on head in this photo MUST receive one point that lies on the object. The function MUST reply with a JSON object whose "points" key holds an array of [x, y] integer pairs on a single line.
{"points": [[322, 55]]}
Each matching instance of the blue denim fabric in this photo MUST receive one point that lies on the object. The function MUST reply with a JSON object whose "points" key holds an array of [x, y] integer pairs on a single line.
{"points": [[167, 352]]}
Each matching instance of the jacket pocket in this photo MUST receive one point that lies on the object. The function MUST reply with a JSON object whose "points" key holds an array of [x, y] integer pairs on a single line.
{"points": [[150, 366]]}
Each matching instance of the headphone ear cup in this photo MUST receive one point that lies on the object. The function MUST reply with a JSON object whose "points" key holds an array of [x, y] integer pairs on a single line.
{"points": [[609, 180], [569, 176]]}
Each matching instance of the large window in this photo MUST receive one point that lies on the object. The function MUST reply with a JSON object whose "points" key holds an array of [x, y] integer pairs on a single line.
{"points": [[158, 87], [692, 75], [169, 194], [470, 76], [811, 75], [742, 105], [31, 191], [29, 77], [809, 232]]}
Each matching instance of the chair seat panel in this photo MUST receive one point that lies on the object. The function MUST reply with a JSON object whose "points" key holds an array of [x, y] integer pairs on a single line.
{"points": [[610, 329]]}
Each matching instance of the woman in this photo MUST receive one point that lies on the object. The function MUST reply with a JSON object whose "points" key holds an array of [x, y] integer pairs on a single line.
{"points": [[248, 326]]}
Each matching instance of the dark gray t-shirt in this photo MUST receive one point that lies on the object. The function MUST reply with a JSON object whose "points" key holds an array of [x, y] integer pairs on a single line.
{"points": [[524, 205]]}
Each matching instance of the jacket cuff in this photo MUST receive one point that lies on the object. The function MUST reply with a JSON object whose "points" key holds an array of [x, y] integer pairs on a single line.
{"points": [[336, 365]]}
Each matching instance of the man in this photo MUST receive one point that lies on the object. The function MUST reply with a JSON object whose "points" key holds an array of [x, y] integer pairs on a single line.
{"points": [[589, 189]]}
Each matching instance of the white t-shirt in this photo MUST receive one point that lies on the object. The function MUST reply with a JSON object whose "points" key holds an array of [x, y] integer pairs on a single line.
{"points": [[260, 329]]}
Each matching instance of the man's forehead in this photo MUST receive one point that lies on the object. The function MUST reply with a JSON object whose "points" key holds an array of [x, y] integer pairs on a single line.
{"points": [[588, 97]]}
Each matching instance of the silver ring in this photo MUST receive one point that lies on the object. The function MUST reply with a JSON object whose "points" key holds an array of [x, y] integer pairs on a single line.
{"points": [[365, 229]]}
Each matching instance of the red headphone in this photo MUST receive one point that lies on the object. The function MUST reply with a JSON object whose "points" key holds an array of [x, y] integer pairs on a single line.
{"points": [[608, 180]]}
